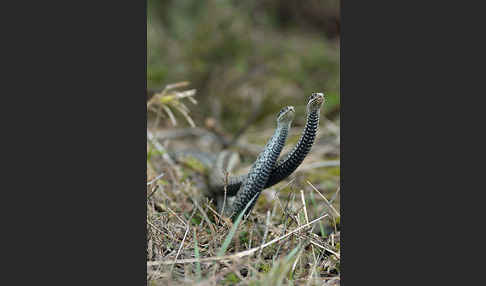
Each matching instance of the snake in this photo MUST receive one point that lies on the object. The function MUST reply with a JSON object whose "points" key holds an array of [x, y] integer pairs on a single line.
{"points": [[242, 188], [260, 171], [285, 166]]}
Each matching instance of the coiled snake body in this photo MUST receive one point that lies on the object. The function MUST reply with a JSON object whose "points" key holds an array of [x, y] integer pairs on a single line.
{"points": [[266, 171]]}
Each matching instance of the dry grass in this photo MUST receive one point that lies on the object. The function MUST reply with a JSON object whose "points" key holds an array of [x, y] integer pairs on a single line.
{"points": [[291, 236], [170, 99]]}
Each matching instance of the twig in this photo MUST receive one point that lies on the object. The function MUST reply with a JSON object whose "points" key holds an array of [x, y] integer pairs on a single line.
{"points": [[196, 254], [225, 191], [171, 115], [336, 213], [325, 248], [153, 192], [335, 195], [296, 260], [305, 208], [279, 189], [182, 242], [205, 216], [215, 212], [182, 109], [267, 223], [156, 228], [313, 269], [307, 221], [156, 178], [159, 147], [287, 215], [172, 212]]}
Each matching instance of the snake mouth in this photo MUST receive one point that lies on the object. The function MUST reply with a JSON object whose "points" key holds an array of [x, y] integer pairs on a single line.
{"points": [[316, 100], [286, 114]]}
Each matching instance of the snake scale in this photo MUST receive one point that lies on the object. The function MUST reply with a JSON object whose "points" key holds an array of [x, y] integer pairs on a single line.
{"points": [[266, 171]]}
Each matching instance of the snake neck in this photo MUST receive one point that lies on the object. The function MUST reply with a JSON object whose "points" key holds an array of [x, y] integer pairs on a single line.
{"points": [[259, 173]]}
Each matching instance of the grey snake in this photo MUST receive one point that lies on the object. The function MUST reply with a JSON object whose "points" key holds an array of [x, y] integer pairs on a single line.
{"points": [[267, 170]]}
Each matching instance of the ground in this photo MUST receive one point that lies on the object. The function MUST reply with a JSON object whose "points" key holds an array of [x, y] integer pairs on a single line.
{"points": [[296, 221]]}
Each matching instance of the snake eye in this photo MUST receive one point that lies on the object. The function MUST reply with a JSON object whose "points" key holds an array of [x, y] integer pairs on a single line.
{"points": [[282, 111]]}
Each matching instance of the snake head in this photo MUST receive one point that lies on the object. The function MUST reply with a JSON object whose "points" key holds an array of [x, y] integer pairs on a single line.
{"points": [[286, 115], [315, 101]]}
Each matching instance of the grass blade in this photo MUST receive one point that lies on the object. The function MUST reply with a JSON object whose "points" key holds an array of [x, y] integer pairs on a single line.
{"points": [[232, 232], [196, 255], [281, 268]]}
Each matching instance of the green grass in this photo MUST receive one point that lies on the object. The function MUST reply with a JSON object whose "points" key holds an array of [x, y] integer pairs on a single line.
{"points": [[233, 229]]}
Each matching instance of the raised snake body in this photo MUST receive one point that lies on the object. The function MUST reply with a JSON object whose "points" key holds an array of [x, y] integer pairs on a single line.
{"points": [[266, 171], [284, 167]]}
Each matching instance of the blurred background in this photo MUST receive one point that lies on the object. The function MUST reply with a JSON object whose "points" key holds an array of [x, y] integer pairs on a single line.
{"points": [[246, 59]]}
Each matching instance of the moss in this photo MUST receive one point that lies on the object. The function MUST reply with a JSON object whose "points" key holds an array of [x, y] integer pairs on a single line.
{"points": [[261, 202], [264, 267], [163, 182], [231, 279], [244, 235], [334, 171], [194, 164], [185, 174], [149, 154], [153, 152], [338, 220], [196, 219], [320, 175]]}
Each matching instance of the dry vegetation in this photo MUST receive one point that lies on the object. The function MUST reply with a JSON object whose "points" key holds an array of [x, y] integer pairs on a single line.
{"points": [[292, 235]]}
